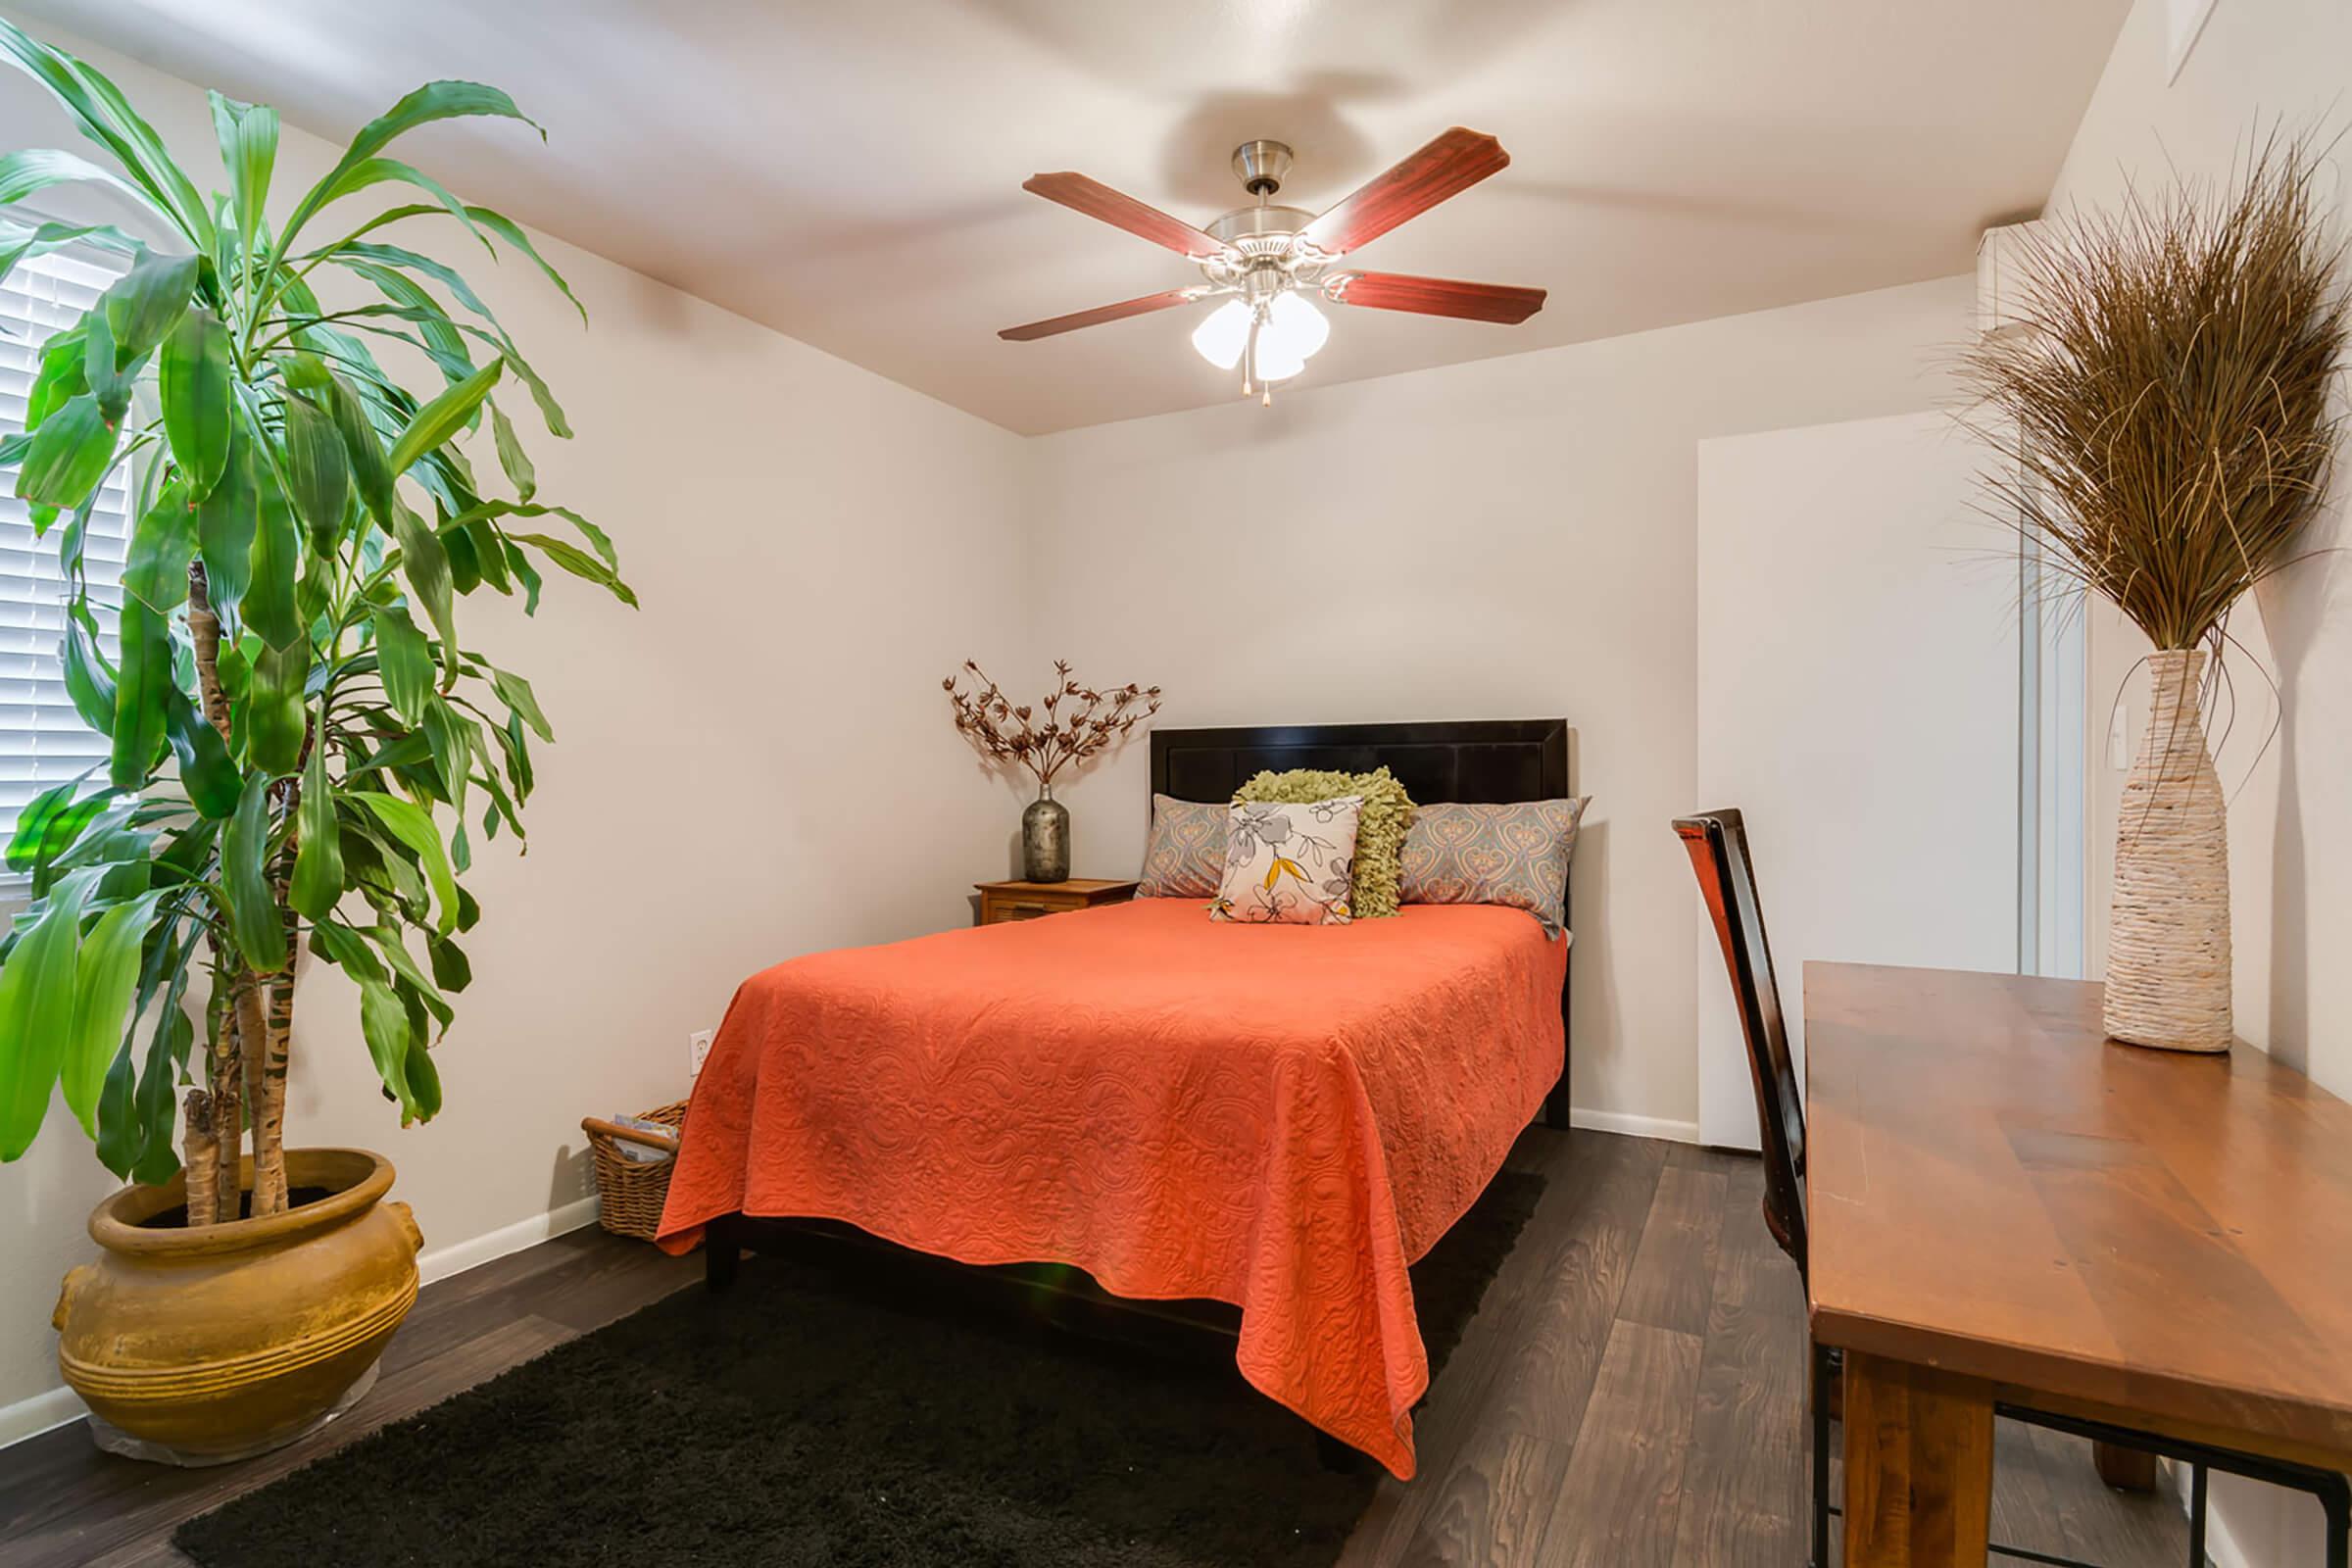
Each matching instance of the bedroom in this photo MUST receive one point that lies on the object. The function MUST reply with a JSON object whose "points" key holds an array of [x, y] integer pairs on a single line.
{"points": [[1648, 519]]}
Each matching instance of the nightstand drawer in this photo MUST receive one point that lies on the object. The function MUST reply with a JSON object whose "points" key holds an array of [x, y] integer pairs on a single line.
{"points": [[1001, 901]]}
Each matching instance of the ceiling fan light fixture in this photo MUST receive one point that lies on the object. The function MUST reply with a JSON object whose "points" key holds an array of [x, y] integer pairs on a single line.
{"points": [[1223, 333], [1275, 360], [1294, 329]]}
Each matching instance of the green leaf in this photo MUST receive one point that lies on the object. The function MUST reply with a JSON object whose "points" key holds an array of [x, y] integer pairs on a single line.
{"points": [[275, 561], [452, 969], [161, 547], [444, 417], [317, 471], [435, 100], [102, 114], [360, 444], [36, 168], [318, 857], [18, 242], [253, 916], [405, 660], [51, 823], [145, 303], [69, 454], [206, 770], [516, 693], [248, 136], [452, 758], [140, 710], [112, 381], [425, 564], [274, 718], [194, 371], [510, 456], [107, 969], [414, 827], [579, 564], [36, 1015], [90, 678], [62, 374]]}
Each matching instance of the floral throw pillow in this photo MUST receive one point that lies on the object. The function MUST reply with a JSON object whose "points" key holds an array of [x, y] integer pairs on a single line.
{"points": [[1185, 856], [1289, 864], [1513, 855]]}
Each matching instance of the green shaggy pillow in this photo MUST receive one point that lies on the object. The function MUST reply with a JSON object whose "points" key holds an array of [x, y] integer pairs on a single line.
{"points": [[1379, 833]]}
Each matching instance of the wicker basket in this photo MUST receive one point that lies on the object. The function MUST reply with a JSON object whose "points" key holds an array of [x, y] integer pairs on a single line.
{"points": [[634, 1190]]}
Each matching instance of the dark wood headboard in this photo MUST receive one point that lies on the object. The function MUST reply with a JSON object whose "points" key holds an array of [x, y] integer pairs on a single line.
{"points": [[1480, 760]]}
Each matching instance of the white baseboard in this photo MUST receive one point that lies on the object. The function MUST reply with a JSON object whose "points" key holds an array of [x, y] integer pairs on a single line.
{"points": [[1632, 1126], [440, 1263], [28, 1418]]}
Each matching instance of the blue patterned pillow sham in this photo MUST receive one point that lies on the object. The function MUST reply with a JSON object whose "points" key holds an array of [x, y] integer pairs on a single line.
{"points": [[1514, 855], [1185, 856]]}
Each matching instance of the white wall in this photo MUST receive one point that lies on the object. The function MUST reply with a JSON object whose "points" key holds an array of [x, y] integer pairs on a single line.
{"points": [[2290, 840], [756, 763], [1506, 539], [1857, 701]]}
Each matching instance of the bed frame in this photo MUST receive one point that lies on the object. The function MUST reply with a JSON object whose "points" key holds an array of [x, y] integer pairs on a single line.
{"points": [[1496, 760]]}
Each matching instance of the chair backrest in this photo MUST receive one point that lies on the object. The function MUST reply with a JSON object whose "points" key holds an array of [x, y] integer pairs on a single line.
{"points": [[1717, 842]]}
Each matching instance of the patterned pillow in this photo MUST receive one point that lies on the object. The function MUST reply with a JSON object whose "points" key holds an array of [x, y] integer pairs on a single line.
{"points": [[1185, 856], [1379, 832], [1289, 864], [1513, 855]]}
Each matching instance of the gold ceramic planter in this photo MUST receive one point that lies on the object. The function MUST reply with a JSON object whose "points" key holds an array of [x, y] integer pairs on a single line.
{"points": [[210, 1343]]}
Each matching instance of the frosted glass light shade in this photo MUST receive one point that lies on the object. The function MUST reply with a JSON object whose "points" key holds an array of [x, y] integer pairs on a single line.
{"points": [[1294, 331], [1273, 364], [1222, 334]]}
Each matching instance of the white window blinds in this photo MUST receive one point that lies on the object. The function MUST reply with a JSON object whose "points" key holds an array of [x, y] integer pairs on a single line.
{"points": [[42, 741]]}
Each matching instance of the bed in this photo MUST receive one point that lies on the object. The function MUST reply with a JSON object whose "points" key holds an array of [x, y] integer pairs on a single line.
{"points": [[1251, 1128]]}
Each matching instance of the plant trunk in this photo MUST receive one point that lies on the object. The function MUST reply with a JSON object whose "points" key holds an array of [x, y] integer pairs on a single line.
{"points": [[228, 1066], [224, 1077], [2167, 947], [199, 1155]]}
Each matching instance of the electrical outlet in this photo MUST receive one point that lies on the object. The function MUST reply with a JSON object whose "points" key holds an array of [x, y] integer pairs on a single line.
{"points": [[697, 1046]]}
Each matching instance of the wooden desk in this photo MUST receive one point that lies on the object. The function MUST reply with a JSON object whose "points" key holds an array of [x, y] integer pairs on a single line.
{"points": [[2002, 1206]]}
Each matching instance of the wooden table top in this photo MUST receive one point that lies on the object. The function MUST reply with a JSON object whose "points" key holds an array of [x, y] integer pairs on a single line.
{"points": [[1994, 1189]]}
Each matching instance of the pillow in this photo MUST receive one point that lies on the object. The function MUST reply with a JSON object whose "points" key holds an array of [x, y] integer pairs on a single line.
{"points": [[1185, 856], [1379, 832], [1289, 864], [1513, 855]]}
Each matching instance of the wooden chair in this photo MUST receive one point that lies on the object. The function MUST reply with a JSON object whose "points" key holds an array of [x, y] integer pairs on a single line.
{"points": [[1717, 843]]}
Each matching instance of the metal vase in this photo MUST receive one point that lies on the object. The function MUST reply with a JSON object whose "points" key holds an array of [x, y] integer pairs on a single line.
{"points": [[1046, 838]]}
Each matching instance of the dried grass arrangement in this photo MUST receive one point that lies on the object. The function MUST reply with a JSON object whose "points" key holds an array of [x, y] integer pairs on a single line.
{"points": [[2169, 425]]}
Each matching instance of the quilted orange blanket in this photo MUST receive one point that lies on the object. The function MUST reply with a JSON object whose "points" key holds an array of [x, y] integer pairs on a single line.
{"points": [[1279, 1118]]}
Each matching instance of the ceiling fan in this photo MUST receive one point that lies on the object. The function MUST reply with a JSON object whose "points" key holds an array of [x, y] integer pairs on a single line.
{"points": [[1264, 261]]}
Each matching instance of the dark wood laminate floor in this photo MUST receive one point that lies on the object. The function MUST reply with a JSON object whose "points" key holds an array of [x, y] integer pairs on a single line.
{"points": [[1631, 1394]]}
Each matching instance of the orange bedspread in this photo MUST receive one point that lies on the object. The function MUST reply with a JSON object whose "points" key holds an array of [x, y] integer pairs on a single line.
{"points": [[1279, 1118]]}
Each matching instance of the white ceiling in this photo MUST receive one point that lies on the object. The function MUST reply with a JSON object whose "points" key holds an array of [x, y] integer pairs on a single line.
{"points": [[850, 172]]}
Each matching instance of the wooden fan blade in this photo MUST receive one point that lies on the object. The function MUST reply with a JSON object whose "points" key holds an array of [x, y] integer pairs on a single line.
{"points": [[1098, 200], [1447, 167], [1098, 314], [1436, 296]]}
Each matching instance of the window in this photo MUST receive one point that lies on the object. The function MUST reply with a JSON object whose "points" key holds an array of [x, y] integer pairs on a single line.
{"points": [[43, 742]]}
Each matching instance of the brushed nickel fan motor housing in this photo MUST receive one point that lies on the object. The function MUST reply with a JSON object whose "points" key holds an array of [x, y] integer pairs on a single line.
{"points": [[1260, 231], [1262, 165]]}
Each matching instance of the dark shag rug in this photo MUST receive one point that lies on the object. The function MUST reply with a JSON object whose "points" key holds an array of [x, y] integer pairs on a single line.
{"points": [[808, 1416]]}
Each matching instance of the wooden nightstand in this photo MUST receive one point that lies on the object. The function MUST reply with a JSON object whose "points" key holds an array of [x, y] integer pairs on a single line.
{"points": [[1026, 900]]}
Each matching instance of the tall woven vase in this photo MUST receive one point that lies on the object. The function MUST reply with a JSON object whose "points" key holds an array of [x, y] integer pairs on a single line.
{"points": [[2167, 944]]}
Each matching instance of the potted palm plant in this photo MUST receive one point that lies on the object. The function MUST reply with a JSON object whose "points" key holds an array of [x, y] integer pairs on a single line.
{"points": [[301, 744], [2167, 417]]}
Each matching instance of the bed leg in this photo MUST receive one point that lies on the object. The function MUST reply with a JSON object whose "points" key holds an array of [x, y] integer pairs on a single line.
{"points": [[1337, 1456], [722, 1253], [1555, 1107]]}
